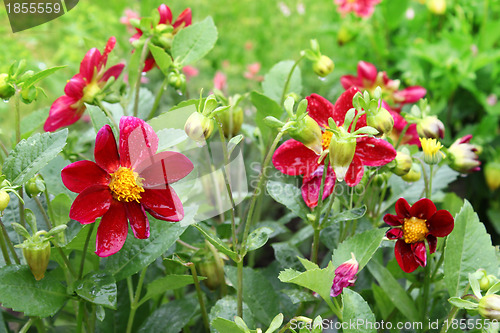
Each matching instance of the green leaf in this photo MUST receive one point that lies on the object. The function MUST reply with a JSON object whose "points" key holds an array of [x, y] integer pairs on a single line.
{"points": [[61, 205], [363, 246], [33, 121], [258, 293], [299, 295], [226, 326], [289, 196], [216, 241], [98, 118], [382, 301], [347, 215], [40, 76], [31, 155], [462, 303], [21, 292], [231, 145], [169, 282], [356, 310], [468, 248], [275, 324], [394, 291], [258, 238], [287, 255], [139, 253], [274, 81], [318, 280], [133, 67], [146, 101], [266, 107], [227, 308], [162, 58], [194, 42], [98, 288], [169, 137], [171, 317]]}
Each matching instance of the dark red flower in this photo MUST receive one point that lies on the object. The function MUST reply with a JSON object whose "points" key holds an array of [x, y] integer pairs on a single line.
{"points": [[294, 158], [413, 225], [368, 79], [82, 88], [345, 276], [124, 183], [410, 137]]}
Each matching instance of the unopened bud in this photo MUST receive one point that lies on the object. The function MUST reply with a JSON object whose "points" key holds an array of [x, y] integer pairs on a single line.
{"points": [[231, 119], [341, 154], [430, 127], [382, 121], [6, 89], [463, 156], [487, 281], [492, 175], [37, 256], [34, 186], [4, 200], [323, 66], [29, 95], [177, 80], [404, 163], [414, 174], [308, 132], [199, 127], [489, 307], [345, 276]]}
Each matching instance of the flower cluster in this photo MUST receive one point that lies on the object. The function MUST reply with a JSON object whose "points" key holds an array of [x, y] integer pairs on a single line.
{"points": [[361, 8]]}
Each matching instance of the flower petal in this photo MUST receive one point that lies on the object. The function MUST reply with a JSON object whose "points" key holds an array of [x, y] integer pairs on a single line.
{"points": [[410, 95], [293, 158], [394, 233], [105, 151], [392, 220], [113, 71], [110, 45], [183, 18], [432, 243], [405, 257], [138, 219], [311, 186], [349, 81], [74, 87], [164, 168], [374, 152], [165, 14], [89, 64], [441, 223], [163, 204], [91, 203], [320, 109], [149, 64], [402, 208], [63, 113], [138, 141], [423, 209], [343, 104], [420, 253], [112, 230], [83, 174], [355, 172]]}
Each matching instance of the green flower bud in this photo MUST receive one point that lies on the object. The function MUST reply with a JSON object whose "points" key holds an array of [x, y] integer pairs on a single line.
{"points": [[380, 178], [344, 35], [430, 127], [308, 132], [4, 200], [29, 95], [199, 127], [487, 281], [37, 256], [7, 90], [382, 121], [414, 174], [177, 80], [209, 269], [489, 307], [404, 163], [34, 186], [323, 66], [231, 119], [341, 154], [492, 175]]}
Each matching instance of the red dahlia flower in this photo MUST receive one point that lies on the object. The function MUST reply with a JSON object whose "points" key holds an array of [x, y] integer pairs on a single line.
{"points": [[362, 8], [182, 21], [345, 276], [368, 79], [82, 88], [294, 158], [413, 225], [124, 183]]}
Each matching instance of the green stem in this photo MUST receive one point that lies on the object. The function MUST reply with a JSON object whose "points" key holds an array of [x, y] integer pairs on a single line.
{"points": [[79, 318], [4, 149], [26, 326], [108, 114], [85, 247], [66, 261], [135, 302], [426, 179], [315, 246], [429, 192], [9, 243], [21, 208], [218, 196], [335, 307], [42, 210], [3, 246], [427, 282], [289, 77], [163, 87], [200, 297], [18, 117], [144, 53], [401, 135], [451, 315], [239, 288]]}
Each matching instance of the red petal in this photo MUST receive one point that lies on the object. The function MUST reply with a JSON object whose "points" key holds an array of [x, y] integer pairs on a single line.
{"points": [[293, 158], [138, 219], [311, 186], [367, 71], [394, 233], [432, 243], [402, 208], [62, 113], [112, 231], [113, 71], [82, 174], [420, 253], [405, 256], [164, 168], [320, 109], [91, 203], [423, 209], [165, 14], [349, 81], [110, 45], [355, 172], [441, 223], [149, 64], [137, 141], [89, 64], [392, 220], [163, 204], [105, 151], [410, 94], [74, 87], [343, 104], [183, 18], [374, 152]]}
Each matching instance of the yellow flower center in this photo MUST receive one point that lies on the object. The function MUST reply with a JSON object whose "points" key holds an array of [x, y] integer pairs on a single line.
{"points": [[90, 91], [430, 146], [326, 137], [414, 230], [126, 185]]}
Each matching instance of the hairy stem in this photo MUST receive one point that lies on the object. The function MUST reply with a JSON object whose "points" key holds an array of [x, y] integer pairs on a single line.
{"points": [[200, 297]]}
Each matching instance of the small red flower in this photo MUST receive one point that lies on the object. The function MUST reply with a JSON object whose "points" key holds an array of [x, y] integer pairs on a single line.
{"points": [[413, 225], [368, 79], [124, 183], [410, 137], [362, 8], [82, 88], [294, 158], [345, 276]]}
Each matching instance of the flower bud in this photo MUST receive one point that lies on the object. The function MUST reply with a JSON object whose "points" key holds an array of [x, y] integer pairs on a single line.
{"points": [[344, 35], [380, 178], [7, 90], [487, 281], [37, 256], [199, 127], [489, 307], [231, 119], [414, 174], [341, 154], [345, 276], [432, 151], [177, 80], [323, 66], [382, 121], [463, 155], [404, 163], [437, 7], [209, 269], [308, 132], [430, 127], [492, 175], [4, 200], [29, 95], [34, 186]]}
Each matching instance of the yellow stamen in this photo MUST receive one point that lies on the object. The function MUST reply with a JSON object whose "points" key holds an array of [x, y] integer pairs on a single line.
{"points": [[90, 91], [414, 230], [431, 148], [326, 137], [126, 185]]}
